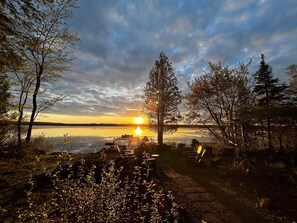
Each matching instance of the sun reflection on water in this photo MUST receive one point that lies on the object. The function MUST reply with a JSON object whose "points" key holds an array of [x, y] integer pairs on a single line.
{"points": [[138, 131]]}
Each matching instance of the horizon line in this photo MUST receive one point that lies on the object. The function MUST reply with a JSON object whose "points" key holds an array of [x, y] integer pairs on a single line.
{"points": [[107, 124]]}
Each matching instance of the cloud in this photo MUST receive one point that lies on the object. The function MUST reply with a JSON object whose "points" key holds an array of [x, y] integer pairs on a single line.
{"points": [[120, 40]]}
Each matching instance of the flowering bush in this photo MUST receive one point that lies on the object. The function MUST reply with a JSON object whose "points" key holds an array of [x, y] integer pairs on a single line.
{"points": [[79, 197]]}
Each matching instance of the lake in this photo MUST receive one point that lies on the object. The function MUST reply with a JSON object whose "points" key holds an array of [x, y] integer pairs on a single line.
{"points": [[84, 139]]}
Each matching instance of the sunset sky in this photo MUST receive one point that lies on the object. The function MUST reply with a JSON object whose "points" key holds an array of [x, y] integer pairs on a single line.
{"points": [[121, 39]]}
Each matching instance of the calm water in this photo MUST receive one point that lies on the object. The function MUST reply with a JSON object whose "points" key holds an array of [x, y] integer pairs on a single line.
{"points": [[92, 139]]}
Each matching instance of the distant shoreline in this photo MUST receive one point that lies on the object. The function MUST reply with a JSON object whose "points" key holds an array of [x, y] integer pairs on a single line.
{"points": [[106, 124]]}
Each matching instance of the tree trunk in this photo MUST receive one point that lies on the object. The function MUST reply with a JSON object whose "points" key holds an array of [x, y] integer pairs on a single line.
{"points": [[268, 119], [269, 133], [19, 127], [19, 122], [161, 109], [34, 109], [160, 128], [160, 137]]}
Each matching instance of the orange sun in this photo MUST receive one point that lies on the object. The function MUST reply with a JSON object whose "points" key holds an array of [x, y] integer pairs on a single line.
{"points": [[138, 120]]}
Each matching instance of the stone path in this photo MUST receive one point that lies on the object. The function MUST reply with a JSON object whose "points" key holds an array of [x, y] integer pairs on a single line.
{"points": [[201, 205], [208, 198]]}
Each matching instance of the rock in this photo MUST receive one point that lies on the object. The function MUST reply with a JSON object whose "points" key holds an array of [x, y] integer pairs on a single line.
{"points": [[264, 202], [291, 179]]}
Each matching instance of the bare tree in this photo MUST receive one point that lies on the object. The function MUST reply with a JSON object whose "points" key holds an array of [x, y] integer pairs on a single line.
{"points": [[50, 42], [218, 99], [47, 43], [292, 72]]}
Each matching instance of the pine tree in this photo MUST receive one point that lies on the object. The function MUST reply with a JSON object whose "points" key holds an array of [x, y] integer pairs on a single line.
{"points": [[161, 98], [267, 88], [4, 94], [5, 97], [13, 13], [268, 92]]}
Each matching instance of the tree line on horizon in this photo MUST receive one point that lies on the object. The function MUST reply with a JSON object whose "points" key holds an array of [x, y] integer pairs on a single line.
{"points": [[248, 111]]}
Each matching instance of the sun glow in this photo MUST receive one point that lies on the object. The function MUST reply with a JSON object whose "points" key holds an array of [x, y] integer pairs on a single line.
{"points": [[80, 119], [138, 120]]}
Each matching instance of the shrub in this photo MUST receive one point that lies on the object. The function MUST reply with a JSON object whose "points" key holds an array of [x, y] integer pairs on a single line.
{"points": [[79, 197]]}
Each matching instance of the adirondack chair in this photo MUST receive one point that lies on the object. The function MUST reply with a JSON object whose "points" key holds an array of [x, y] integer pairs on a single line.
{"points": [[197, 154]]}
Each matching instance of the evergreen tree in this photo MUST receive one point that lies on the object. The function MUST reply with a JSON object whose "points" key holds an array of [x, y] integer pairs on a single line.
{"points": [[268, 93], [4, 106], [4, 94], [161, 98], [267, 88], [13, 13]]}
